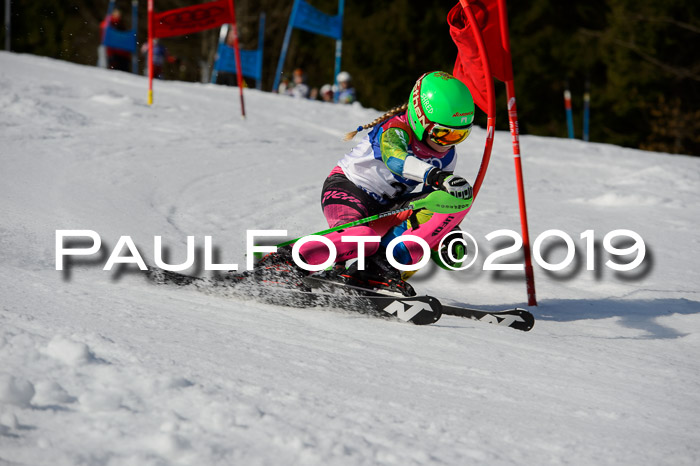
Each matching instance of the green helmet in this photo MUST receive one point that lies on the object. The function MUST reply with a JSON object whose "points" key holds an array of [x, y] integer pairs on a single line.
{"points": [[438, 98]]}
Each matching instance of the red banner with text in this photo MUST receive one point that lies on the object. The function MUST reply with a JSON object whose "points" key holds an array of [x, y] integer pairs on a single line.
{"points": [[191, 19]]}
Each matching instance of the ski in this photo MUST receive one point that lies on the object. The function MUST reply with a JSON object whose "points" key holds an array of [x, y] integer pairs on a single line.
{"points": [[320, 292], [519, 319], [419, 310]]}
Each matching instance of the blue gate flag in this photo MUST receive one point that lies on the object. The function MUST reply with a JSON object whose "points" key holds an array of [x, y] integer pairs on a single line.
{"points": [[251, 60], [122, 40], [310, 19]]}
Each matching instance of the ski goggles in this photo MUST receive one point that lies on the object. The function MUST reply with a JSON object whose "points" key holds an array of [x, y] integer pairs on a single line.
{"points": [[446, 136]]}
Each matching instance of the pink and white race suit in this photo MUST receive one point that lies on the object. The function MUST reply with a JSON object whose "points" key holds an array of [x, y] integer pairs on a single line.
{"points": [[386, 169]]}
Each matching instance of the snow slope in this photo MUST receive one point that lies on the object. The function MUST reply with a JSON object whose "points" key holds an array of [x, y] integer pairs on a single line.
{"points": [[102, 368]]}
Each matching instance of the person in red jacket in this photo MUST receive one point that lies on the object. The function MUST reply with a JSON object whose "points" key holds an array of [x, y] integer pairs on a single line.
{"points": [[116, 59]]}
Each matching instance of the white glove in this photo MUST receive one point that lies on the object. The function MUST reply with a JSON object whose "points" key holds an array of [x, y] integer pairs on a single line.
{"points": [[446, 181]]}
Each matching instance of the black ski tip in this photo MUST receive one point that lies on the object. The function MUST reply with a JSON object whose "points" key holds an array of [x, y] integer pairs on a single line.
{"points": [[528, 320], [517, 318]]}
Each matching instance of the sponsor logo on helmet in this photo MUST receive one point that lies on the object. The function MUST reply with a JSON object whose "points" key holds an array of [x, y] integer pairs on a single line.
{"points": [[415, 100], [443, 75], [426, 103], [459, 114]]}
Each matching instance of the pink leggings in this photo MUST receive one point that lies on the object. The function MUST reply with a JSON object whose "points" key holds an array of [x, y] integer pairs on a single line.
{"points": [[344, 202], [432, 232]]}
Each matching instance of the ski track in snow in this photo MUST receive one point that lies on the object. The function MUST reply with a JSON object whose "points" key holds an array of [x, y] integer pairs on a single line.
{"points": [[102, 368]]}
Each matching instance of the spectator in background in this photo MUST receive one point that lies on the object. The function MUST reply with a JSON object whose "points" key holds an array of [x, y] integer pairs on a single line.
{"points": [[327, 93], [299, 89], [284, 86], [116, 59], [231, 79], [160, 57], [346, 93]]}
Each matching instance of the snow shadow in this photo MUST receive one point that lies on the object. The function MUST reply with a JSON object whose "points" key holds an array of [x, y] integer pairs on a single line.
{"points": [[635, 314]]}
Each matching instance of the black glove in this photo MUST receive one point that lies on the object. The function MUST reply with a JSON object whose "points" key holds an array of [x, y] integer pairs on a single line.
{"points": [[446, 181]]}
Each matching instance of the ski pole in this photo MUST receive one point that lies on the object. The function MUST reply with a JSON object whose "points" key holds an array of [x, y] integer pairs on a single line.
{"points": [[439, 202]]}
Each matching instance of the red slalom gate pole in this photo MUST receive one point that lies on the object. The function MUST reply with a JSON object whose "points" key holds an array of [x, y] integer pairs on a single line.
{"points": [[237, 52], [515, 134]]}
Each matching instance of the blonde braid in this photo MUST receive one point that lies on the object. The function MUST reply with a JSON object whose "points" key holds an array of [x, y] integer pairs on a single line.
{"points": [[386, 116]]}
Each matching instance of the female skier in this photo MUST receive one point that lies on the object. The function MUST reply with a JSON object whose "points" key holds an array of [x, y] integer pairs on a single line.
{"points": [[409, 152]]}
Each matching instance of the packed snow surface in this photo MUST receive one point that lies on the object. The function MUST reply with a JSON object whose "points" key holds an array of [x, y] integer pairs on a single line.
{"points": [[101, 367]]}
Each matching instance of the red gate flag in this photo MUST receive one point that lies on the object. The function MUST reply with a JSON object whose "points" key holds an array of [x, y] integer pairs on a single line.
{"points": [[468, 66], [479, 28], [191, 19]]}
